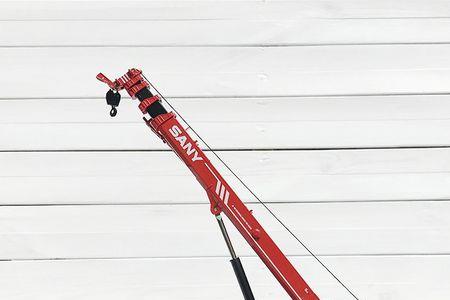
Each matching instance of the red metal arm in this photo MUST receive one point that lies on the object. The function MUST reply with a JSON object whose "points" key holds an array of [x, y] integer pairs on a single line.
{"points": [[221, 195]]}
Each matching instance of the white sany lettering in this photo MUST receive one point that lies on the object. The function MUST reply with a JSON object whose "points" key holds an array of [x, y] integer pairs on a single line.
{"points": [[182, 139], [196, 157], [189, 149], [175, 130]]}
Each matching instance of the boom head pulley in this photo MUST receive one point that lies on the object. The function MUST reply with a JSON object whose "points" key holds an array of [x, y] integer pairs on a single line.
{"points": [[132, 81]]}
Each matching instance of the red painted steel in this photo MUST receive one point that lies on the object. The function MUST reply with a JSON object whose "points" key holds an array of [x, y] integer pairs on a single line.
{"points": [[146, 103], [221, 195]]}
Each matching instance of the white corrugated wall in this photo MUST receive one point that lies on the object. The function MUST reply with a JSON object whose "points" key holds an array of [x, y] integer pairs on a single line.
{"points": [[336, 112]]}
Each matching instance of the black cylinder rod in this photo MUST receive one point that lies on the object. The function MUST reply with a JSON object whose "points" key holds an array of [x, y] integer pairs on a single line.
{"points": [[236, 263]]}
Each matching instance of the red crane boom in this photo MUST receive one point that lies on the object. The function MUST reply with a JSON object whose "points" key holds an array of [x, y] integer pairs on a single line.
{"points": [[221, 196]]}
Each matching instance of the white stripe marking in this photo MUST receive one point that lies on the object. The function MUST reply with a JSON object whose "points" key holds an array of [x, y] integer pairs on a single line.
{"points": [[227, 195], [222, 192], [211, 171], [218, 187]]}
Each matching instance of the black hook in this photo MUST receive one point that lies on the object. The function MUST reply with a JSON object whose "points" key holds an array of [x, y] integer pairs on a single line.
{"points": [[113, 111], [113, 99]]}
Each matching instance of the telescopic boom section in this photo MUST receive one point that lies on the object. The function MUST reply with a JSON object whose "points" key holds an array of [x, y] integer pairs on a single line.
{"points": [[221, 195]]}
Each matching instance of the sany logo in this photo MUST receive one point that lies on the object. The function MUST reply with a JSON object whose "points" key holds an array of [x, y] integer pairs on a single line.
{"points": [[176, 131]]}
